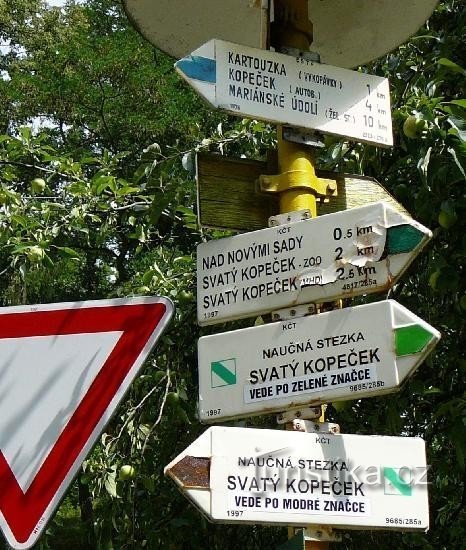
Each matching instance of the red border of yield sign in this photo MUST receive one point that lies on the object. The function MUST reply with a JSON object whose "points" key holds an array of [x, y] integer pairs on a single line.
{"points": [[141, 320]]}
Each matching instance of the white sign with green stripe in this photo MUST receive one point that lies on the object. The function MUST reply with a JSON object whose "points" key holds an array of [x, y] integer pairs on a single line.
{"points": [[357, 251], [246, 475], [344, 354]]}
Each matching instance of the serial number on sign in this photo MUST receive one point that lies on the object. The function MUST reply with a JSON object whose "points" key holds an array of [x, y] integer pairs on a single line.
{"points": [[213, 412], [359, 284], [367, 386], [403, 521]]}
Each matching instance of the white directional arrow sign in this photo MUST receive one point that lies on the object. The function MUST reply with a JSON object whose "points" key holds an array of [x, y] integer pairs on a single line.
{"points": [[63, 370], [345, 254], [247, 475], [343, 354], [290, 90]]}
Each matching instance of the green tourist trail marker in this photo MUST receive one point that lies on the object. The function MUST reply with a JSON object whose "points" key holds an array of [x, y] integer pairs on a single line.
{"points": [[223, 373], [346, 254], [398, 481], [349, 353]]}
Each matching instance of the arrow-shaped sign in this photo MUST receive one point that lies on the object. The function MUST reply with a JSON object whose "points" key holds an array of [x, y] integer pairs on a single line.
{"points": [[344, 354], [345, 254], [290, 90], [227, 198], [64, 369], [245, 475]]}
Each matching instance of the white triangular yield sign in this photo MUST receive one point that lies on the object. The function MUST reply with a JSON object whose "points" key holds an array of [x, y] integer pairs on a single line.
{"points": [[63, 370]]}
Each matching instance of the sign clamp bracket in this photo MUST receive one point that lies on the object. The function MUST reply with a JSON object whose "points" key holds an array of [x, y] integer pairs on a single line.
{"points": [[304, 137], [298, 180], [324, 533], [289, 217], [294, 312], [314, 412], [307, 426]]}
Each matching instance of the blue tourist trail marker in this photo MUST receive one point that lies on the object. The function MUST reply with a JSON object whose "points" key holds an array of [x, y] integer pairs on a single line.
{"points": [[246, 475], [279, 88]]}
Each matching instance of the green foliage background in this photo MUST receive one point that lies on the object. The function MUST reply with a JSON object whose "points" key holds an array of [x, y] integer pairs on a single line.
{"points": [[101, 117]]}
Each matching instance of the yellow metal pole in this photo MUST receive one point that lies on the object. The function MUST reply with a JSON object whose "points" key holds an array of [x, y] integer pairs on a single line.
{"points": [[293, 29], [291, 158]]}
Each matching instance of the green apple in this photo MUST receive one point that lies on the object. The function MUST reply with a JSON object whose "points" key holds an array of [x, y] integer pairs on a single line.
{"points": [[173, 398], [433, 278], [447, 219], [35, 254], [413, 126], [38, 185], [185, 297], [126, 472]]}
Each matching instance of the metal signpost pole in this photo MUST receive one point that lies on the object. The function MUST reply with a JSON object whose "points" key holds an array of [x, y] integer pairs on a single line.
{"points": [[296, 162]]}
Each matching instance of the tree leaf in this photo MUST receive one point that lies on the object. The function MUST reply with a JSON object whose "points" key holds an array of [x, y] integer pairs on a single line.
{"points": [[451, 65], [67, 252]]}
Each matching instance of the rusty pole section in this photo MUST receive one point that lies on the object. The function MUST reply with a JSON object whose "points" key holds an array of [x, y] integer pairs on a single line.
{"points": [[298, 183]]}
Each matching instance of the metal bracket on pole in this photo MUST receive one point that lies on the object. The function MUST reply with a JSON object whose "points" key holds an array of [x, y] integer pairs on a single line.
{"points": [[289, 217], [293, 312], [305, 137], [321, 533], [306, 413], [300, 425], [297, 179], [313, 57]]}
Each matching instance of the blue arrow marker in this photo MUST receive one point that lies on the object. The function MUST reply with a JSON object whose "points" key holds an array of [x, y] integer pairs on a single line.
{"points": [[198, 68]]}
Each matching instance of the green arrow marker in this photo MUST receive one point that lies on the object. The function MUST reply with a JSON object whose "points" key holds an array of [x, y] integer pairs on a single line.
{"points": [[403, 238], [411, 339]]}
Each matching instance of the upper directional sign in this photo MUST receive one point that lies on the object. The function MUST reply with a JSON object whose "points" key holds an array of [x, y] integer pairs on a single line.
{"points": [[279, 88], [245, 475], [64, 369], [349, 253], [343, 354]]}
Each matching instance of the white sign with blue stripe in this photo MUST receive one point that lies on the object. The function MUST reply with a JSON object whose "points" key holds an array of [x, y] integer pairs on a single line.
{"points": [[248, 475], [291, 90]]}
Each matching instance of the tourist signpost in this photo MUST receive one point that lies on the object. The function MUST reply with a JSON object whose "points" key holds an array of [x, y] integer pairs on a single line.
{"points": [[262, 476], [343, 354], [246, 475], [290, 90], [346, 254]]}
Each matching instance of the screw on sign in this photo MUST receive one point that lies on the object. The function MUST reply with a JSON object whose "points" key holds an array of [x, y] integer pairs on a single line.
{"points": [[64, 369]]}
